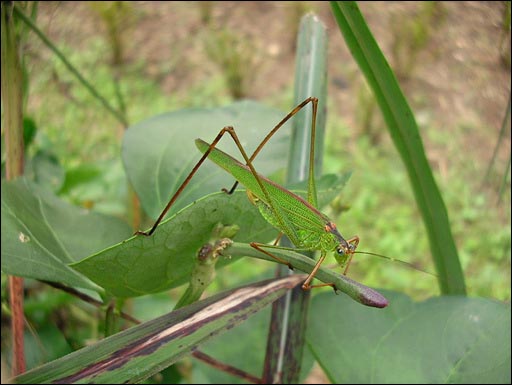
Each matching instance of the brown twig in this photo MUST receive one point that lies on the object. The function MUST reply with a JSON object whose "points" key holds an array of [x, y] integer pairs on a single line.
{"points": [[88, 299], [226, 368]]}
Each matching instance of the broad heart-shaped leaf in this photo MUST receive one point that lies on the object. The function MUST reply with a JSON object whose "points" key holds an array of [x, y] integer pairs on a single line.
{"points": [[158, 153], [137, 353], [449, 339], [142, 265], [42, 234]]}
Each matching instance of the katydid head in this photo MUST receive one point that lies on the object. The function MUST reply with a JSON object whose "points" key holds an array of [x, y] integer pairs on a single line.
{"points": [[344, 248]]}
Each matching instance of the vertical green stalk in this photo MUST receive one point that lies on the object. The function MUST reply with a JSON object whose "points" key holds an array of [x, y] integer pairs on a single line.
{"points": [[289, 315], [12, 99], [111, 319]]}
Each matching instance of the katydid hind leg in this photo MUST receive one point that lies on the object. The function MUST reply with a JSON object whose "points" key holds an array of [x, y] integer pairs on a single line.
{"points": [[276, 128], [184, 184]]}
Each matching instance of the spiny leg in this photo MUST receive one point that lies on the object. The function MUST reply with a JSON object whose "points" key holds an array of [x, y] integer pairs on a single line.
{"points": [[221, 133], [306, 285], [314, 102], [231, 131], [260, 246], [353, 242]]}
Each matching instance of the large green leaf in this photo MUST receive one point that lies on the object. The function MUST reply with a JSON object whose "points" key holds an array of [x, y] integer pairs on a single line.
{"points": [[142, 265], [146, 349], [41, 234], [158, 153], [442, 340]]}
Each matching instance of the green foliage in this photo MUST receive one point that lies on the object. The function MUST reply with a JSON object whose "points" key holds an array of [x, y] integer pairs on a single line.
{"points": [[236, 57], [441, 340], [411, 36], [173, 248], [116, 15], [158, 153], [42, 234]]}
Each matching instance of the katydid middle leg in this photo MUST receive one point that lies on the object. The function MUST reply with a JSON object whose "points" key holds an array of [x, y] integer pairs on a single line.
{"points": [[353, 242], [306, 285]]}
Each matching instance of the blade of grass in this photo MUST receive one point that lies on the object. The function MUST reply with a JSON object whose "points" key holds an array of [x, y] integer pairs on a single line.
{"points": [[404, 132]]}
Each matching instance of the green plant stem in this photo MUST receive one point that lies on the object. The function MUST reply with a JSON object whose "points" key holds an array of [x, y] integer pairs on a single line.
{"points": [[355, 290], [118, 115], [111, 319]]}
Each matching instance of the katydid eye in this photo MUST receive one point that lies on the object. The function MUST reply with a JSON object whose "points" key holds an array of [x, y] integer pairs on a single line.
{"points": [[340, 250]]}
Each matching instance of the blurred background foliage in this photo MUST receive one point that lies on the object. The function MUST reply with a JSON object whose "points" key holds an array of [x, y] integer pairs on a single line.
{"points": [[452, 60]]}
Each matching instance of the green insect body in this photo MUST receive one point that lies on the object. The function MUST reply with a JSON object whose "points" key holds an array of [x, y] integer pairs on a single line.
{"points": [[307, 228]]}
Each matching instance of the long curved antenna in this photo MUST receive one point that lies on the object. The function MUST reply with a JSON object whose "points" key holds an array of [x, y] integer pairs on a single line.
{"points": [[398, 261]]}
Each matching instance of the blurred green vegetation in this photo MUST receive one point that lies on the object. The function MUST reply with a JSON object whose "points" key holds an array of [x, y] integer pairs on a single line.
{"points": [[236, 58], [377, 203], [411, 35]]}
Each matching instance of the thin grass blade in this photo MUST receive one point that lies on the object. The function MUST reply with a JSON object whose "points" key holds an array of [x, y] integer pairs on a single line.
{"points": [[404, 132]]}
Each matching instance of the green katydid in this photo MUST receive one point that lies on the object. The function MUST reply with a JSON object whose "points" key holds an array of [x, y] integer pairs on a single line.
{"points": [[299, 219]]}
